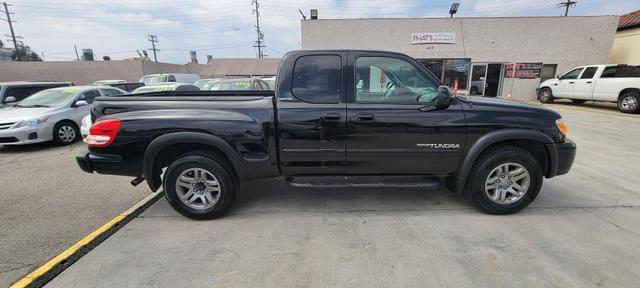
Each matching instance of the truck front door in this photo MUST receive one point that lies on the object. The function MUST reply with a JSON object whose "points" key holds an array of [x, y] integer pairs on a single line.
{"points": [[389, 133], [312, 115], [566, 83]]}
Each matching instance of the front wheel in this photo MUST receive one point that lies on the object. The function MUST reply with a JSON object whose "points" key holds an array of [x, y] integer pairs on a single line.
{"points": [[65, 133], [629, 103], [505, 180], [546, 95], [199, 187]]}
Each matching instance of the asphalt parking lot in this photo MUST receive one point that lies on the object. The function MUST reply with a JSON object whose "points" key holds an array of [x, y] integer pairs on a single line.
{"points": [[47, 203], [582, 231]]}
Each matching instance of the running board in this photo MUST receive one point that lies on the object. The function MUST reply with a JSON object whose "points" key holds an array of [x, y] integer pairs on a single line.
{"points": [[430, 183]]}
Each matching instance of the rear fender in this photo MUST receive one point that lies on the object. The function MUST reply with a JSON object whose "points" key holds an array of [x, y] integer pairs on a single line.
{"points": [[151, 171]]}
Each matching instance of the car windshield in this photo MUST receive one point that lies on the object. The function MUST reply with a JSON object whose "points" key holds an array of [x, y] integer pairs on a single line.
{"points": [[237, 85], [153, 79], [49, 98], [158, 88]]}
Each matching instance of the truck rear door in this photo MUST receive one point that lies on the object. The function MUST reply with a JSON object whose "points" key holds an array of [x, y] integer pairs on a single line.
{"points": [[393, 128], [583, 86], [311, 114]]}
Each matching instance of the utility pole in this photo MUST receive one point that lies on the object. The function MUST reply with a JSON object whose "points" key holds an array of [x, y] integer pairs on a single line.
{"points": [[260, 35], [567, 5], [77, 56], [13, 35], [154, 40]]}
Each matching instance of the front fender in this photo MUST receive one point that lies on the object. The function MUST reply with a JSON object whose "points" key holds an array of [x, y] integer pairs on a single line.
{"points": [[460, 176], [166, 140]]}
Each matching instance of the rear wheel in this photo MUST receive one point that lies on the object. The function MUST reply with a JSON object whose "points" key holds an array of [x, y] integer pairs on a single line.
{"points": [[578, 101], [505, 180], [65, 133], [546, 95], [629, 102], [199, 187]]}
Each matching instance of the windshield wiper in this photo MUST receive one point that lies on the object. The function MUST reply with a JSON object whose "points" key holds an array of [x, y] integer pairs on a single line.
{"points": [[34, 106]]}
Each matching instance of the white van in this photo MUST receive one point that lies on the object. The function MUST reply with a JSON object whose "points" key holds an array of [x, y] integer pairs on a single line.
{"points": [[152, 79]]}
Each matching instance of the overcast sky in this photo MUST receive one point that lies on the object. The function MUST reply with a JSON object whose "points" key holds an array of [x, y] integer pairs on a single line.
{"points": [[225, 28]]}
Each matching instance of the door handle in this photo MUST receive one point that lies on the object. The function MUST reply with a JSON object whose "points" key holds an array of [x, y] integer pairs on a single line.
{"points": [[589, 82], [366, 116], [571, 82], [331, 116]]}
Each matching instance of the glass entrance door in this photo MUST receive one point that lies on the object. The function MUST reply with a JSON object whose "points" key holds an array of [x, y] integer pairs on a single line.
{"points": [[478, 76]]}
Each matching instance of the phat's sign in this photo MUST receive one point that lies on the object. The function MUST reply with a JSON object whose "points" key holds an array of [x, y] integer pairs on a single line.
{"points": [[433, 38]]}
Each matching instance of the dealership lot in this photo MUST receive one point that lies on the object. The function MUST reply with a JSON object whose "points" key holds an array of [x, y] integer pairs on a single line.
{"points": [[47, 203], [582, 231]]}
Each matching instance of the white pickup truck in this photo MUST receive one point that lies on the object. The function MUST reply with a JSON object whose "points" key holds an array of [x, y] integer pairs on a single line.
{"points": [[609, 83]]}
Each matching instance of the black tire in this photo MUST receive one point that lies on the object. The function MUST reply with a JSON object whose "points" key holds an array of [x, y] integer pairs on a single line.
{"points": [[545, 95], [61, 132], [210, 164], [629, 102], [492, 159], [474, 90], [578, 101]]}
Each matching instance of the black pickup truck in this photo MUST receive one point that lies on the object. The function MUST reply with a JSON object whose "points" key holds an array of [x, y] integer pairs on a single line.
{"points": [[337, 118]]}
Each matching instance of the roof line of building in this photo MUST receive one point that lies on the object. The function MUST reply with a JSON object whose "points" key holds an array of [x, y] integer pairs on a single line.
{"points": [[455, 18]]}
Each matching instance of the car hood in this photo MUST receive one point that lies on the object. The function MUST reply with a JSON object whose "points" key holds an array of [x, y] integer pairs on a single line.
{"points": [[15, 114], [504, 104]]}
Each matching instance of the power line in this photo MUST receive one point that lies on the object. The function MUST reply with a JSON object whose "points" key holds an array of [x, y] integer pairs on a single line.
{"points": [[13, 34], [260, 35], [154, 40], [567, 4]]}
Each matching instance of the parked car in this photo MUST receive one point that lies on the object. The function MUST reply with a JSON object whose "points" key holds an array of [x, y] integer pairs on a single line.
{"points": [[609, 83], [126, 86], [166, 87], [208, 85], [240, 84], [153, 79], [105, 82], [12, 92], [202, 82], [412, 133], [52, 114]]}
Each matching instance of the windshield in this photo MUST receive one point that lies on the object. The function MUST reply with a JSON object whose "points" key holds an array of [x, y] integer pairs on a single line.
{"points": [[153, 79], [49, 98], [159, 88], [238, 85]]}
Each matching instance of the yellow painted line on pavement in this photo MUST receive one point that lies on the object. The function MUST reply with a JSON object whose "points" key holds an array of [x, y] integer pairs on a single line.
{"points": [[46, 267]]}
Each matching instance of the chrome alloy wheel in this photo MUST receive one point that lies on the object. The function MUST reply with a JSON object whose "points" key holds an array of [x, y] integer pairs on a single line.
{"points": [[67, 134], [629, 103], [198, 188], [507, 183]]}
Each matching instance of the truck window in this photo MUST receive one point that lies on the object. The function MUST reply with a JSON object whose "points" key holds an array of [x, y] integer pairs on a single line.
{"points": [[317, 79], [573, 74], [387, 79], [621, 71], [589, 72]]}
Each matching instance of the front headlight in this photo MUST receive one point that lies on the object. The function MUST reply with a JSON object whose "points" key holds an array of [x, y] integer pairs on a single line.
{"points": [[30, 122]]}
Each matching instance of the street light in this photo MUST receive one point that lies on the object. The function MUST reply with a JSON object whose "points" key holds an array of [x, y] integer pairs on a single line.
{"points": [[454, 9]]}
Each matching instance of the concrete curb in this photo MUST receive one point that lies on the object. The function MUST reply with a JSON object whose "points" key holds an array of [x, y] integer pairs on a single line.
{"points": [[62, 261]]}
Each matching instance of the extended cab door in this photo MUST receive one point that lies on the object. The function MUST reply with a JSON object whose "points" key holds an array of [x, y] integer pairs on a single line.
{"points": [[394, 125], [311, 114], [566, 83], [583, 86]]}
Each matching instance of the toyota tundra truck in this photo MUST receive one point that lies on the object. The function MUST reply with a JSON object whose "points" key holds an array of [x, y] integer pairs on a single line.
{"points": [[336, 119]]}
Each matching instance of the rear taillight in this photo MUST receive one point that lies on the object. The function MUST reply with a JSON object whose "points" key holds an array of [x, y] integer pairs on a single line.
{"points": [[103, 132]]}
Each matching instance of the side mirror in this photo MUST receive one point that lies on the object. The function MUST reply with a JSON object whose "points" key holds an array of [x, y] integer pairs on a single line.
{"points": [[442, 101], [558, 76], [10, 99], [81, 103]]}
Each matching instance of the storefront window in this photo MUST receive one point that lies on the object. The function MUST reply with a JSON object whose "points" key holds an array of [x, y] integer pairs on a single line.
{"points": [[456, 69]]}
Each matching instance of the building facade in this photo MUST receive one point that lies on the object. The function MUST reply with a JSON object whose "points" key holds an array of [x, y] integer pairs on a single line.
{"points": [[626, 44], [485, 56]]}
